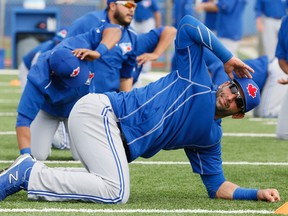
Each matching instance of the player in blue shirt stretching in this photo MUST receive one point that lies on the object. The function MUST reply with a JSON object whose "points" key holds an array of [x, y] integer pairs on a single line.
{"points": [[182, 110]]}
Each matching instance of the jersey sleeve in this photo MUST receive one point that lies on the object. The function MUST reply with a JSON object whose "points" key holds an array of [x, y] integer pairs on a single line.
{"points": [[191, 32], [30, 103], [146, 43], [205, 161]]}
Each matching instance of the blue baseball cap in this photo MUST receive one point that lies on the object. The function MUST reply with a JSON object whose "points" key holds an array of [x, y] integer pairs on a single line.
{"points": [[109, 1], [251, 92], [72, 71]]}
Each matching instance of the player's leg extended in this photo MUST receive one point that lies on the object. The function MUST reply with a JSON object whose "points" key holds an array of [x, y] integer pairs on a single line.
{"points": [[93, 129], [42, 129]]}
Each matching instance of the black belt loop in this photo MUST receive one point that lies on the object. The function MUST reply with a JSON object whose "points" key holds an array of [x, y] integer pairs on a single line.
{"points": [[127, 152]]}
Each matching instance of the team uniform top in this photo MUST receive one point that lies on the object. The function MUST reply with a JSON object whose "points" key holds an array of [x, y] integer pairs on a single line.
{"points": [[151, 123], [282, 46], [146, 43], [210, 18], [117, 63], [229, 23], [145, 10], [47, 92], [271, 8], [180, 9]]}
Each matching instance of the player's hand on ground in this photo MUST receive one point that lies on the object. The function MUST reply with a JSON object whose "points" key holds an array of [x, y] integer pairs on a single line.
{"points": [[269, 195], [86, 54], [142, 59], [240, 68], [283, 81]]}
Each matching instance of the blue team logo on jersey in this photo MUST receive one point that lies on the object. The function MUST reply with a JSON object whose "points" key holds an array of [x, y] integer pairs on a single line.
{"points": [[125, 47]]}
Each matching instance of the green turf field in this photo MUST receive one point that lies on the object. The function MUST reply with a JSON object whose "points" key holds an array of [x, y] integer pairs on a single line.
{"points": [[164, 184]]}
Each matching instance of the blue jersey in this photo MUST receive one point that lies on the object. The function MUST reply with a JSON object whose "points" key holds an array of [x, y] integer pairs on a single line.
{"points": [[282, 45], [230, 19], [210, 18], [45, 91], [271, 8], [146, 43], [117, 63], [177, 111], [43, 47], [180, 9], [145, 10], [216, 68]]}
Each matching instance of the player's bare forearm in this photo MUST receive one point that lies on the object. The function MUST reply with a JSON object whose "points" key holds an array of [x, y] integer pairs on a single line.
{"points": [[283, 65], [126, 84], [23, 137], [111, 36], [166, 38]]}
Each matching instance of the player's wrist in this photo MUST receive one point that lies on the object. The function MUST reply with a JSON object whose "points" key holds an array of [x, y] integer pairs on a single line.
{"points": [[245, 194], [102, 49]]}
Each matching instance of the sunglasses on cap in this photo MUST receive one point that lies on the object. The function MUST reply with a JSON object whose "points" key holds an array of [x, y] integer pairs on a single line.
{"points": [[239, 100], [127, 4]]}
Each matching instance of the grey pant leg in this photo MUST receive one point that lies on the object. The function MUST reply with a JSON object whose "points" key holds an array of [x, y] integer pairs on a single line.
{"points": [[96, 137], [282, 124], [42, 130]]}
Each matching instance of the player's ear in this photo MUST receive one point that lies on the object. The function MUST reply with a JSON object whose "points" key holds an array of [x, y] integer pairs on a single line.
{"points": [[238, 115]]}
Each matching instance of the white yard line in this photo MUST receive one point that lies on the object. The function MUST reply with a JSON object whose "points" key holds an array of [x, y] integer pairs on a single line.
{"points": [[241, 163], [224, 134], [124, 211]]}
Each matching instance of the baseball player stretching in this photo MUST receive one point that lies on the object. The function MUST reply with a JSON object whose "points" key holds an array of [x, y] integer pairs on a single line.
{"points": [[180, 111], [114, 70], [46, 100], [282, 55]]}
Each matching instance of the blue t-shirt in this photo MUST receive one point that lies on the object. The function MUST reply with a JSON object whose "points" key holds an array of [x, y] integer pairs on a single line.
{"points": [[210, 19], [117, 63], [145, 10], [271, 8], [180, 9], [282, 45], [230, 19], [177, 111]]}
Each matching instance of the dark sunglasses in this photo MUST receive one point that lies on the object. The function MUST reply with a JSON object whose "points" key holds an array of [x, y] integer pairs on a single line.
{"points": [[239, 100], [127, 4]]}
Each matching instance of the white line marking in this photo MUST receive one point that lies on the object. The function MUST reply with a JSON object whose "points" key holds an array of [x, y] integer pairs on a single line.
{"points": [[166, 163], [163, 211], [6, 114], [249, 134], [8, 101], [3, 133], [224, 134]]}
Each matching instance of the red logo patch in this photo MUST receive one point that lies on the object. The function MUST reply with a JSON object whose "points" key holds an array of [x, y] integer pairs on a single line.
{"points": [[252, 90], [75, 72]]}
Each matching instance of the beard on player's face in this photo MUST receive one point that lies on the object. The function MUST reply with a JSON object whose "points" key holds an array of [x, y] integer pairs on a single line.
{"points": [[120, 17]]}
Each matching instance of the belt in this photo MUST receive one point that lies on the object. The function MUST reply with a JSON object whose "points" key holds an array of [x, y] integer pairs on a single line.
{"points": [[125, 145]]}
